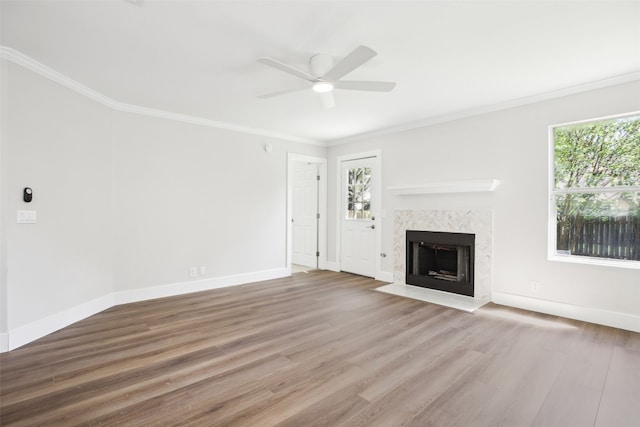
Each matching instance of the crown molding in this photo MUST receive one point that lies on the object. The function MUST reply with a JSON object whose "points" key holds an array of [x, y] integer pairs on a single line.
{"points": [[185, 118], [625, 78], [31, 64]]}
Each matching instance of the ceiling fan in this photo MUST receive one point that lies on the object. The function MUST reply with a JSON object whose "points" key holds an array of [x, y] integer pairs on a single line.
{"points": [[324, 76]]}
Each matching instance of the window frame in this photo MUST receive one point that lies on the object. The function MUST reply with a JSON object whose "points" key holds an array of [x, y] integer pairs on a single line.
{"points": [[552, 253]]}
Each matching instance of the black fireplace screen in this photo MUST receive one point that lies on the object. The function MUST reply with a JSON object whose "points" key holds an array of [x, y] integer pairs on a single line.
{"points": [[442, 261]]}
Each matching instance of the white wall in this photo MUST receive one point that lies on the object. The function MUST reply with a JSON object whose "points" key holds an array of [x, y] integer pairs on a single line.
{"points": [[126, 203], [3, 204], [510, 145], [58, 143], [196, 196]]}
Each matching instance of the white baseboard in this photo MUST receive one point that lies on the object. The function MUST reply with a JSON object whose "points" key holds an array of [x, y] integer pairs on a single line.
{"points": [[614, 319], [385, 276], [135, 295], [332, 266], [30, 332], [4, 342]]}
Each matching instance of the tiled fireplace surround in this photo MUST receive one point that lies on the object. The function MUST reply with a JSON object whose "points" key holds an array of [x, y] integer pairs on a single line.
{"points": [[475, 221]]}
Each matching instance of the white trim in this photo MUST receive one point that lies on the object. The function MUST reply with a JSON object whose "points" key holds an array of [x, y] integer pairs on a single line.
{"points": [[627, 321], [552, 215], [32, 331], [385, 276], [210, 123], [31, 64], [467, 186], [596, 119], [173, 289], [4, 342], [322, 205], [332, 266], [377, 156], [599, 84], [605, 262]]}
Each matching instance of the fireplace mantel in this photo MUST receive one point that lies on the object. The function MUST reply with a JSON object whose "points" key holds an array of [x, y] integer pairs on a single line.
{"points": [[465, 186]]}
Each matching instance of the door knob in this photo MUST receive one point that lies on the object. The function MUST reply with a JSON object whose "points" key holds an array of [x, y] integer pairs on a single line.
{"points": [[372, 226]]}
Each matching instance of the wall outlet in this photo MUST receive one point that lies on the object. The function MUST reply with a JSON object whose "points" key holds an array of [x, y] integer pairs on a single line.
{"points": [[535, 287], [193, 272], [203, 270]]}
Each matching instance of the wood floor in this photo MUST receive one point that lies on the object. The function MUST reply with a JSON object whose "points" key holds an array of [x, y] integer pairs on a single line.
{"points": [[322, 348]]}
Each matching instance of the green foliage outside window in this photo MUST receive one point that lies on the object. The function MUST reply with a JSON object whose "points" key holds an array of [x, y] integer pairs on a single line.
{"points": [[597, 188]]}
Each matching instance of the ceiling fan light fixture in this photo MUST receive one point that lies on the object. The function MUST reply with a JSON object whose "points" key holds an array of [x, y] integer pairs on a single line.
{"points": [[325, 75], [322, 87]]}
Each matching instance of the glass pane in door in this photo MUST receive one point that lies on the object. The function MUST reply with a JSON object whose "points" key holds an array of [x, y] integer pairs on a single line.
{"points": [[358, 193]]}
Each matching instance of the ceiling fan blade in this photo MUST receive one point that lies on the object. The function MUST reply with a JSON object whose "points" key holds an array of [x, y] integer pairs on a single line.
{"points": [[282, 92], [368, 86], [356, 58], [286, 68], [327, 100]]}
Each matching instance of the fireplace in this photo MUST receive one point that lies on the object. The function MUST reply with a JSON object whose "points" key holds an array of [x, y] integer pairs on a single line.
{"points": [[441, 261]]}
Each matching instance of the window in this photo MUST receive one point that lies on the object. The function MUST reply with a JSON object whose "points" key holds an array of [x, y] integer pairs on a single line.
{"points": [[595, 191], [359, 193]]}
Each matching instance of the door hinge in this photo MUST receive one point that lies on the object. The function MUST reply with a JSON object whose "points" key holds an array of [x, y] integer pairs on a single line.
{"points": [[317, 253], [318, 216], [318, 177]]}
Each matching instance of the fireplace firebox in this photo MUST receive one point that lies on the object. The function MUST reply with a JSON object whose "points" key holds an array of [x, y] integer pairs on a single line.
{"points": [[441, 261]]}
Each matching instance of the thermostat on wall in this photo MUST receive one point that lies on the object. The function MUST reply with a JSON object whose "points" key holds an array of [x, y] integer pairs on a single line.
{"points": [[27, 194]]}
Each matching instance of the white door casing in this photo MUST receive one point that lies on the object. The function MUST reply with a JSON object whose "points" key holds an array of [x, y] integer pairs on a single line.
{"points": [[359, 221], [304, 223]]}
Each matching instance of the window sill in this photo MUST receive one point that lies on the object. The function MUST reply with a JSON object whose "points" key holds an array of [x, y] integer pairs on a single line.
{"points": [[576, 259]]}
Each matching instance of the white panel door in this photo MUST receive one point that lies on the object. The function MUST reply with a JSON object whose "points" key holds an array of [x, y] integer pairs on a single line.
{"points": [[358, 236], [304, 227]]}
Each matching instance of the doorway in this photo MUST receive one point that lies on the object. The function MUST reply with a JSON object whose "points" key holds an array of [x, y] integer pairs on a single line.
{"points": [[306, 213], [359, 207]]}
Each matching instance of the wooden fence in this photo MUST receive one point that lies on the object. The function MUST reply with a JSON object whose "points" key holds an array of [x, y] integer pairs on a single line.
{"points": [[616, 237]]}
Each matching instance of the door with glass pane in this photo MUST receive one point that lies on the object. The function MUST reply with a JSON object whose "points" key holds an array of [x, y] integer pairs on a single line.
{"points": [[358, 237]]}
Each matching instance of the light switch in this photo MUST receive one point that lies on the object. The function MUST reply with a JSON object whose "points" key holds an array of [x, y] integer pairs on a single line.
{"points": [[26, 217]]}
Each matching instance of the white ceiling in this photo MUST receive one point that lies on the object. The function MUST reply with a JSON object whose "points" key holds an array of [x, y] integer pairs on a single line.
{"points": [[199, 57]]}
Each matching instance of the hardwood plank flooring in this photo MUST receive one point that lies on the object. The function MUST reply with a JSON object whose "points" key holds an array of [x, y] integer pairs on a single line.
{"points": [[321, 349]]}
